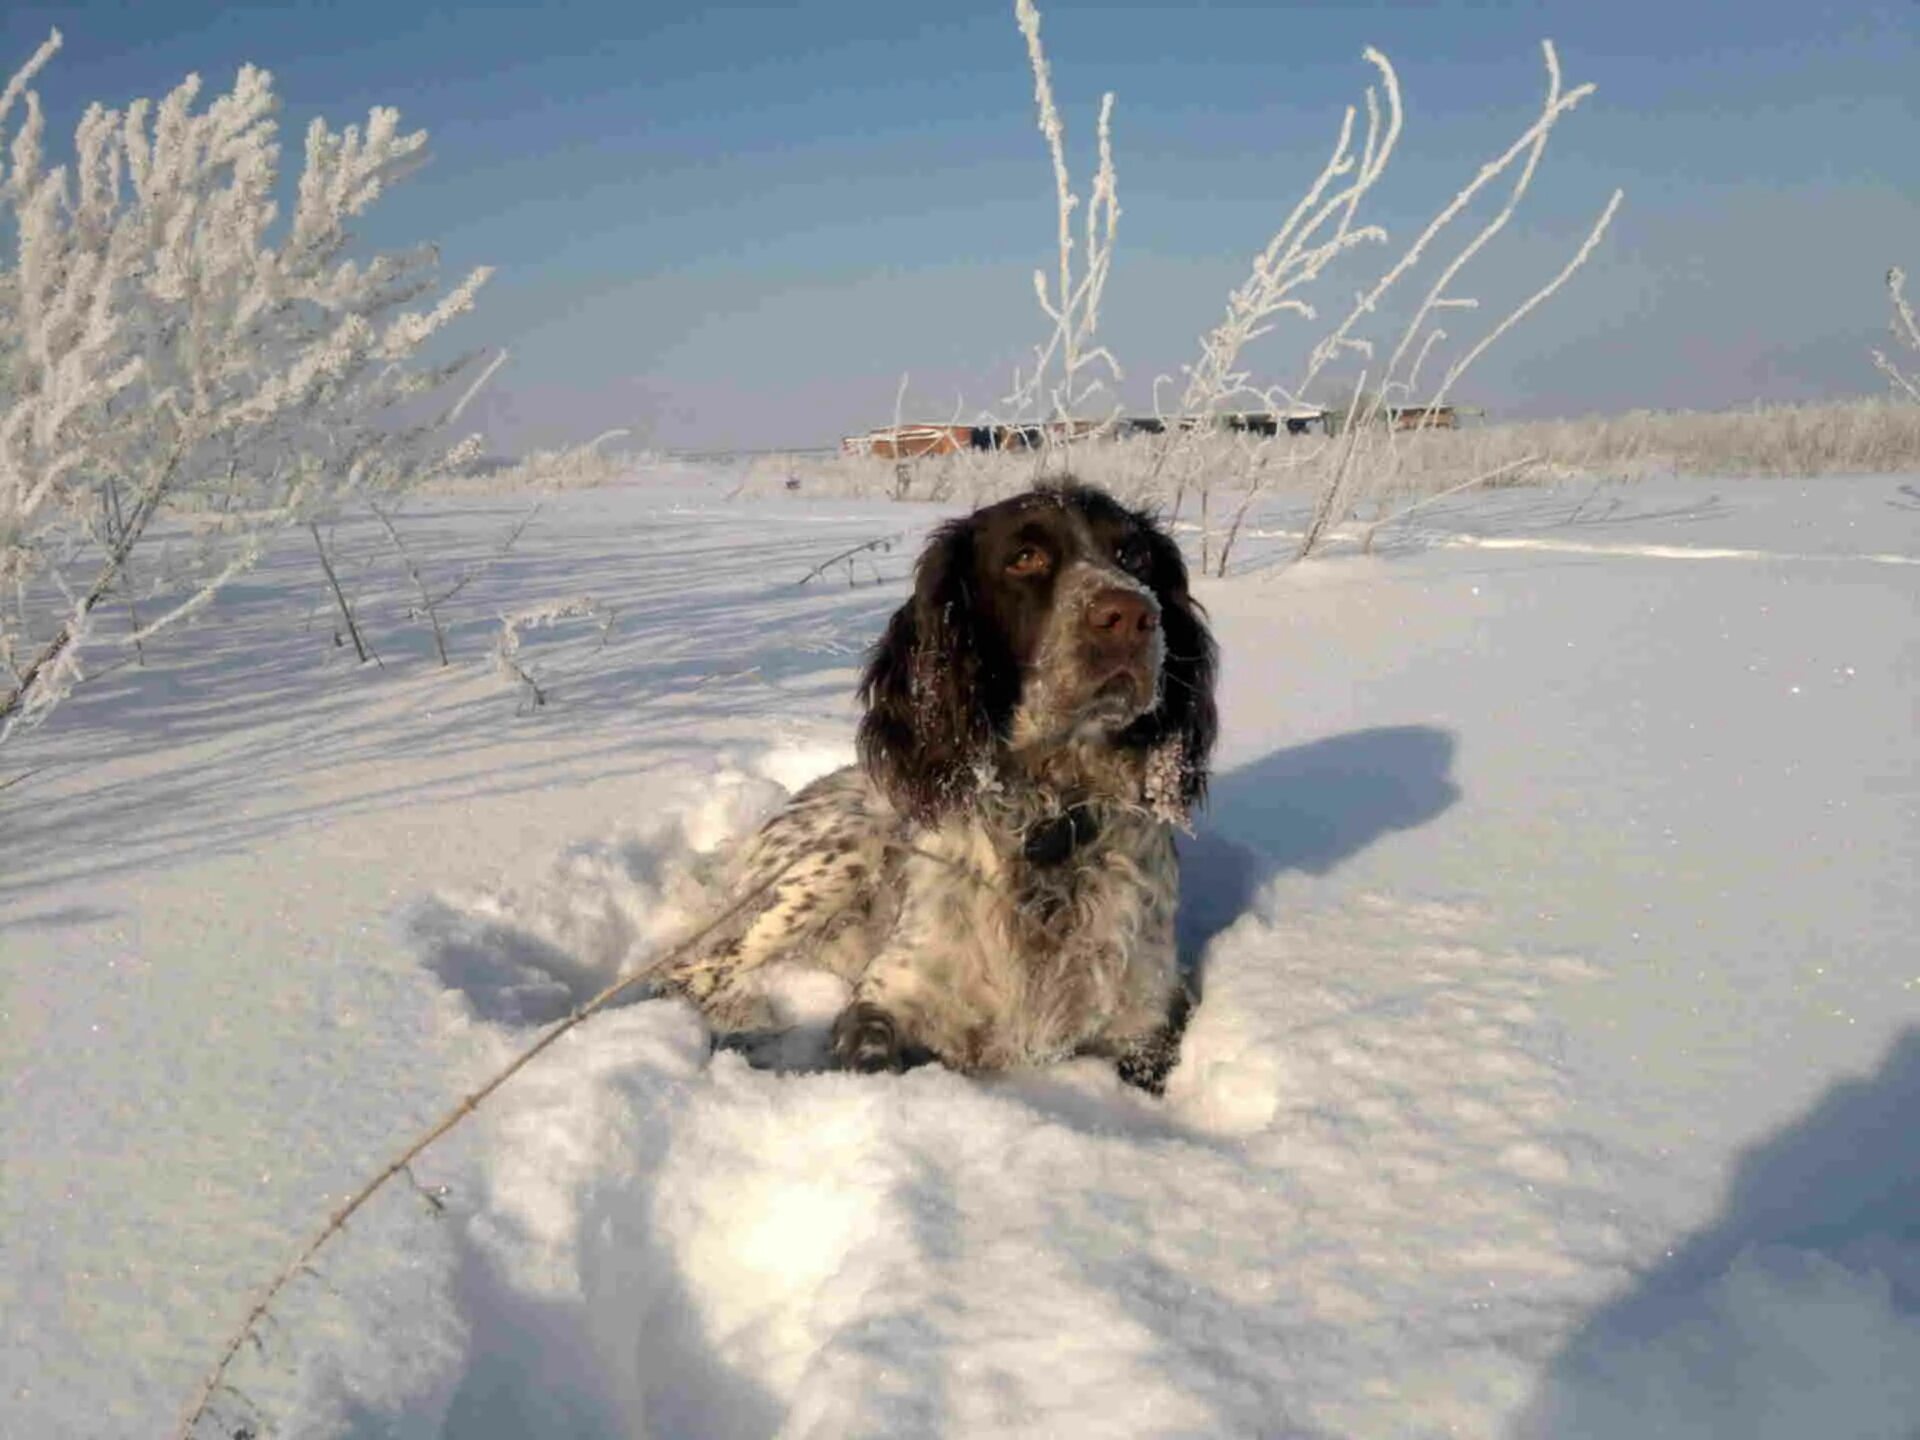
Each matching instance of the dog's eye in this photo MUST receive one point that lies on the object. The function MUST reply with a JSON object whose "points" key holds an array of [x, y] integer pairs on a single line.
{"points": [[1134, 557], [1029, 561]]}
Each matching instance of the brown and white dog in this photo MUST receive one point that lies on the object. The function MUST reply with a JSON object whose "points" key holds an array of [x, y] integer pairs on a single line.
{"points": [[996, 879]]}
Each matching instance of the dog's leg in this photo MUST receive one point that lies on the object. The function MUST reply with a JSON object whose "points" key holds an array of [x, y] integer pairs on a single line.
{"points": [[916, 999], [1145, 1060], [720, 979], [814, 882], [894, 1020], [867, 1038]]}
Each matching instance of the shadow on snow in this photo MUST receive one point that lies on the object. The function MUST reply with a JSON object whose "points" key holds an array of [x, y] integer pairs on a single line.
{"points": [[1306, 808], [1787, 1312]]}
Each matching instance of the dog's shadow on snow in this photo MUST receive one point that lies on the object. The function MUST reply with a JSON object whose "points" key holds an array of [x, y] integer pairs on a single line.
{"points": [[1306, 808], [1789, 1301]]}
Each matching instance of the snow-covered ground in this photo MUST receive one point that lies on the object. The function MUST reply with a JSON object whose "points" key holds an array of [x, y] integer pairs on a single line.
{"points": [[1555, 1072]]}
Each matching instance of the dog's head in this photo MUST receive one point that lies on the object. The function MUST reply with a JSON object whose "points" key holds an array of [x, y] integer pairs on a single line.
{"points": [[1056, 617]]}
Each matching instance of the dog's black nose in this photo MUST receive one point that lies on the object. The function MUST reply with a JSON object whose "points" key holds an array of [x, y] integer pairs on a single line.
{"points": [[1121, 618]]}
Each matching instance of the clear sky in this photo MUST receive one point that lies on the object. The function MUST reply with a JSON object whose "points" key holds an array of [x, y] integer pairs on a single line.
{"points": [[736, 226]]}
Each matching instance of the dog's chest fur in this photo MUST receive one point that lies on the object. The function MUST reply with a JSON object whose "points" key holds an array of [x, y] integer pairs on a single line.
{"points": [[1014, 961], [1002, 959]]}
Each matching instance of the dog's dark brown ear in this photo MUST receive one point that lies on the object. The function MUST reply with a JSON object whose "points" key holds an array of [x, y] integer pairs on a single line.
{"points": [[1182, 728], [928, 727]]}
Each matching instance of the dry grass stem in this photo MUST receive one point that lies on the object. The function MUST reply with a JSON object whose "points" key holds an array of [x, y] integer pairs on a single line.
{"points": [[302, 1259]]}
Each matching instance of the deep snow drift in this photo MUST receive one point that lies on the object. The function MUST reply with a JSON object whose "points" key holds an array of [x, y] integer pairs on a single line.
{"points": [[1554, 1073]]}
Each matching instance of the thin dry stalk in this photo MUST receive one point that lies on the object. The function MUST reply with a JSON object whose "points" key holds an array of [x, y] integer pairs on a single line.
{"points": [[1322, 227], [1530, 143], [216, 1378], [360, 646], [1906, 330], [902, 467], [1074, 304], [879, 542], [1459, 367], [506, 650], [1398, 378], [500, 552], [1336, 493], [1485, 478], [514, 670], [21, 698], [1318, 231], [114, 521], [413, 573], [13, 780]]}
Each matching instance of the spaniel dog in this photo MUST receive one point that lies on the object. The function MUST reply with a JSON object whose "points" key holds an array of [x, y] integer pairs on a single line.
{"points": [[996, 879]]}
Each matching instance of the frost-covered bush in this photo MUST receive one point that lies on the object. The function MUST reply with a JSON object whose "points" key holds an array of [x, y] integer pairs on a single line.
{"points": [[1359, 365], [1906, 332], [169, 347], [1394, 371]]}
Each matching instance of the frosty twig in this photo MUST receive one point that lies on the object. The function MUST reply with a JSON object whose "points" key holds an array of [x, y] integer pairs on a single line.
{"points": [[1906, 330]]}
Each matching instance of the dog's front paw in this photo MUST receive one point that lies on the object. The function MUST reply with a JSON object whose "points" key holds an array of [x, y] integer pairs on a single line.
{"points": [[1145, 1062], [866, 1039]]}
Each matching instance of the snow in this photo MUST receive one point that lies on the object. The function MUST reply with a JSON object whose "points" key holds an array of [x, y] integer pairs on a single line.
{"points": [[1553, 1075]]}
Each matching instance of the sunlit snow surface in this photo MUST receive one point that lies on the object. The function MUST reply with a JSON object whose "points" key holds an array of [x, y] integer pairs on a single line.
{"points": [[1556, 1070]]}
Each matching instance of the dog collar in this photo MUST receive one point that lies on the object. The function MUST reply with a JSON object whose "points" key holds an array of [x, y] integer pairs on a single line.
{"points": [[1052, 841]]}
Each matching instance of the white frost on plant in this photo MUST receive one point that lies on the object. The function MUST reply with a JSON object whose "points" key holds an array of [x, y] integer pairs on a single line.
{"points": [[1072, 306], [1906, 330], [162, 353], [546, 615]]}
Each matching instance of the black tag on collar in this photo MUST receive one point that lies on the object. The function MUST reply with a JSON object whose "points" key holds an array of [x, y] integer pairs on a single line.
{"points": [[1052, 841]]}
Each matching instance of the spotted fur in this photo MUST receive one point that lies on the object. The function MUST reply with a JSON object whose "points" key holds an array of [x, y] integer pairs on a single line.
{"points": [[996, 880]]}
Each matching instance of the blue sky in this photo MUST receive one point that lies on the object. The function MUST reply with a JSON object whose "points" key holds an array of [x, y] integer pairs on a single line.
{"points": [[737, 226]]}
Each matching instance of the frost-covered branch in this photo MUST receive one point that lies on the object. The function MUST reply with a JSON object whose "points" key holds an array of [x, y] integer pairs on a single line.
{"points": [[506, 649], [1398, 378], [360, 646], [430, 603], [1906, 331], [1527, 149], [169, 348], [879, 542], [1323, 228], [1319, 230], [1065, 368]]}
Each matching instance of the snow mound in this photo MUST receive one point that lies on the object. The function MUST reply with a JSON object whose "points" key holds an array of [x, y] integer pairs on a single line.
{"points": [[1364, 1146], [528, 950]]}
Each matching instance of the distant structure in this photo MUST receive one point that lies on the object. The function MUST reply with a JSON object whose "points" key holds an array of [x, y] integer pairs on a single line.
{"points": [[1423, 417], [910, 442]]}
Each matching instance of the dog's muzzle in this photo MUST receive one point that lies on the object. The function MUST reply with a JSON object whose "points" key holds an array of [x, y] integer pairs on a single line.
{"points": [[1122, 646]]}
